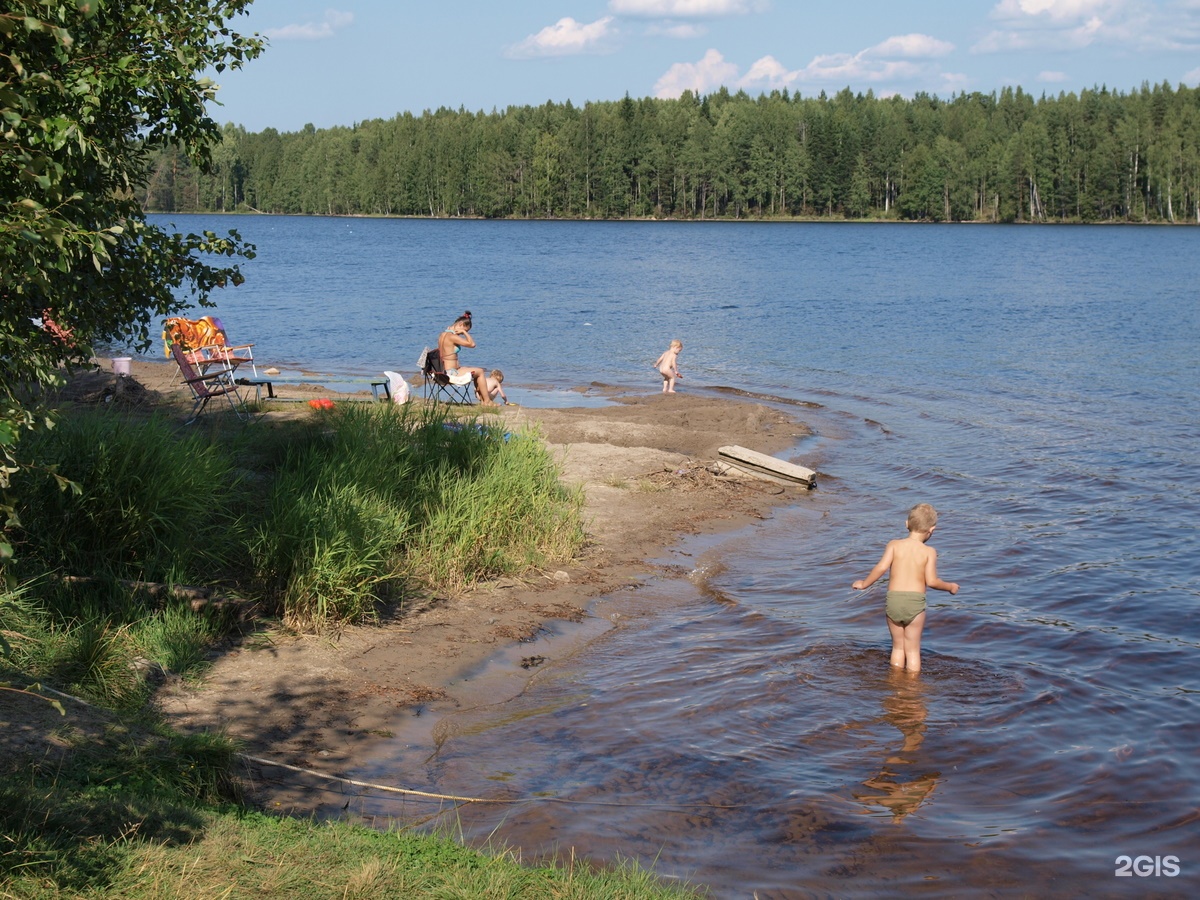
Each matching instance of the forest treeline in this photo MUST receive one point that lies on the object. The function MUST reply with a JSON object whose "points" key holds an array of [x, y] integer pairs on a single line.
{"points": [[1099, 156]]}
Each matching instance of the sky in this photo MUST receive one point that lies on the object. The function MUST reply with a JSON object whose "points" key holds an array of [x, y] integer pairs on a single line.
{"points": [[342, 62]]}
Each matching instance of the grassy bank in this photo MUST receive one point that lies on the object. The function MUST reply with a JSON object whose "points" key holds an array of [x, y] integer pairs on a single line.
{"points": [[317, 520], [314, 521], [124, 809]]}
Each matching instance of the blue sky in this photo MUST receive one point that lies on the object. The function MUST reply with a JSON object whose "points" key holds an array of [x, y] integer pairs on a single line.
{"points": [[345, 61]]}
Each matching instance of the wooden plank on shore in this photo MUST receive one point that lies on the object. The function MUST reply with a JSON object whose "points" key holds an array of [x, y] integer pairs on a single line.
{"points": [[758, 465]]}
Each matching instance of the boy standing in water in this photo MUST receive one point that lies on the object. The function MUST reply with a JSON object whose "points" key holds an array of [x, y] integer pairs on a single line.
{"points": [[668, 366], [913, 568]]}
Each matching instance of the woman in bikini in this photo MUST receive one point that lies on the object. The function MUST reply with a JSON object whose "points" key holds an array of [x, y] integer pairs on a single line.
{"points": [[459, 335]]}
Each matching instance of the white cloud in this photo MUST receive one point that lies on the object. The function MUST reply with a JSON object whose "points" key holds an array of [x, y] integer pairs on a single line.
{"points": [[1138, 25], [898, 59], [1192, 78], [1003, 42], [699, 77], [911, 46], [1083, 34], [952, 83], [684, 9], [1052, 77], [843, 68], [1055, 10], [678, 32], [334, 21], [566, 37], [768, 71]]}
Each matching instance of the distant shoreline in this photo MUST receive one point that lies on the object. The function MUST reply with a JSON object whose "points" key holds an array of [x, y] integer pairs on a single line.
{"points": [[765, 220]]}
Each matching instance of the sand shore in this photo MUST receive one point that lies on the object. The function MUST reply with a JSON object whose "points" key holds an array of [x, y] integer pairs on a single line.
{"points": [[329, 703]]}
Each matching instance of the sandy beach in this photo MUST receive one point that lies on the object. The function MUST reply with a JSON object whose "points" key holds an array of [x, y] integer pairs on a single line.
{"points": [[329, 702]]}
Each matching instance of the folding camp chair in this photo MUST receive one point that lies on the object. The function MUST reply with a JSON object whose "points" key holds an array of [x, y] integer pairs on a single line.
{"points": [[207, 379], [438, 385]]}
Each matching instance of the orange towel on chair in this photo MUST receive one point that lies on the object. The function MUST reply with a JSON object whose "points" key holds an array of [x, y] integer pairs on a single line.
{"points": [[192, 334]]}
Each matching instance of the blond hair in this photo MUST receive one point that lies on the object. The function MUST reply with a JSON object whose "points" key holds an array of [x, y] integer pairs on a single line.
{"points": [[677, 344], [497, 374], [922, 517]]}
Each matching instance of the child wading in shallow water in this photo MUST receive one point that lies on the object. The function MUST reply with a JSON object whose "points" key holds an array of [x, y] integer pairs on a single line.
{"points": [[668, 366], [913, 569]]}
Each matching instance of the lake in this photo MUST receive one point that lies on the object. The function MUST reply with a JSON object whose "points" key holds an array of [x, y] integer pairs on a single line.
{"points": [[1039, 385]]}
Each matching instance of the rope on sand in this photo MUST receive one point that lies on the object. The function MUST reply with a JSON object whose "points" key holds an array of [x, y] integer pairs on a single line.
{"points": [[367, 784], [428, 795]]}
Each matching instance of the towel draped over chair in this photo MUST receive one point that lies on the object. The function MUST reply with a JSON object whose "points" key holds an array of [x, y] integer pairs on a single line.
{"points": [[206, 361]]}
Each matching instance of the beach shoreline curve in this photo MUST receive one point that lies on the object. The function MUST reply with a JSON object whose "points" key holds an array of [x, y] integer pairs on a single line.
{"points": [[332, 703]]}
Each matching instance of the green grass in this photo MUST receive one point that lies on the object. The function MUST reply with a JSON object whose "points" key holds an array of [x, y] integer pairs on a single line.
{"points": [[503, 511], [88, 640], [320, 520], [155, 503], [382, 502], [189, 853], [70, 818]]}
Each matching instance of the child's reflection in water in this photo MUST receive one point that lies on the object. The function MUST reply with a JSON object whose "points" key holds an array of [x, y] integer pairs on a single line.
{"points": [[904, 708]]}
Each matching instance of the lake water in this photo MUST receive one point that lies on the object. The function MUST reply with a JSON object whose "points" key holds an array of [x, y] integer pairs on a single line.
{"points": [[1039, 385]]}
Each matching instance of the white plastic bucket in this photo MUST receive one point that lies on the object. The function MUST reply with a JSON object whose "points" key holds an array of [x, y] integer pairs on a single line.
{"points": [[121, 365]]}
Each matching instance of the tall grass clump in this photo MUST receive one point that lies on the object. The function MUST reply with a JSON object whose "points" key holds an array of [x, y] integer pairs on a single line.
{"points": [[100, 640], [495, 507], [329, 545], [368, 501], [320, 519], [156, 504], [176, 638], [23, 623], [82, 654]]}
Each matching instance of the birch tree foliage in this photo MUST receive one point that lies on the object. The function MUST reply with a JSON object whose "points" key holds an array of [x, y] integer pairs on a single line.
{"points": [[89, 89]]}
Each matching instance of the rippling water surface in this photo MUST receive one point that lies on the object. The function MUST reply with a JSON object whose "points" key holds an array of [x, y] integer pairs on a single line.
{"points": [[1038, 385]]}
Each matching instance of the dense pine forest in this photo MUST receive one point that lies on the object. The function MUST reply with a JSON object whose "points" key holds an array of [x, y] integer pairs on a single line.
{"points": [[1100, 156]]}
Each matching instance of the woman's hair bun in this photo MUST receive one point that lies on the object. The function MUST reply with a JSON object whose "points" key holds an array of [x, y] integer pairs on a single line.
{"points": [[467, 314]]}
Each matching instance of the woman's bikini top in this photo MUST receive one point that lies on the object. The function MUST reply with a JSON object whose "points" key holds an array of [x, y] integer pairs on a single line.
{"points": [[454, 348]]}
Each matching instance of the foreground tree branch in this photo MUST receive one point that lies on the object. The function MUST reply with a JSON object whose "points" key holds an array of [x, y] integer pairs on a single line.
{"points": [[88, 90]]}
